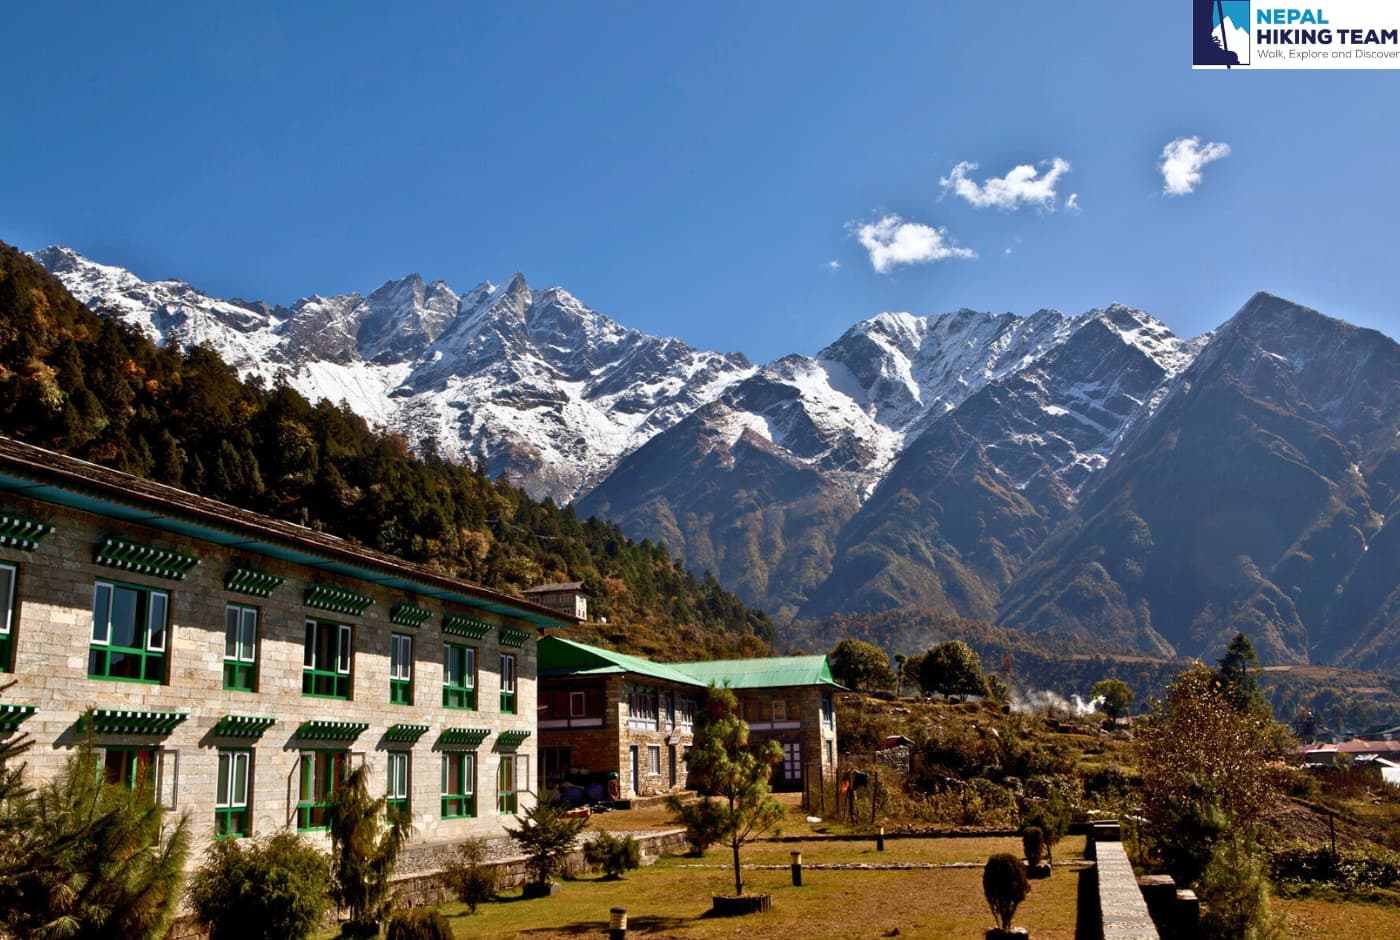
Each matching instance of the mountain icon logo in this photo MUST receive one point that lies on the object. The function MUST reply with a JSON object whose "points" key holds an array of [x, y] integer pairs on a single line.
{"points": [[1220, 32]]}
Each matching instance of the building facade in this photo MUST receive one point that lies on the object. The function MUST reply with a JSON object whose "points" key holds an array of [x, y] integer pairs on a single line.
{"points": [[570, 598], [237, 665], [607, 715]]}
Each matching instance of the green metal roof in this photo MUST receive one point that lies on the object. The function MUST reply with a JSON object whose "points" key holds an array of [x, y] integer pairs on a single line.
{"points": [[774, 672], [561, 657]]}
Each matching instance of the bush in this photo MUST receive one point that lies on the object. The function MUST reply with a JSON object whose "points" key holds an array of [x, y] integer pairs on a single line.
{"points": [[419, 923], [267, 890], [1033, 842], [1353, 871], [613, 854], [1005, 886], [1234, 894], [703, 821], [472, 881], [547, 836]]}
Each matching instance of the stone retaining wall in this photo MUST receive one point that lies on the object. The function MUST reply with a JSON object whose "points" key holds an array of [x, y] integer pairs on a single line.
{"points": [[1122, 910]]}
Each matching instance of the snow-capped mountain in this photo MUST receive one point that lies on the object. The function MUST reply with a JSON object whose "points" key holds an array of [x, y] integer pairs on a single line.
{"points": [[830, 452], [1092, 475], [547, 390]]}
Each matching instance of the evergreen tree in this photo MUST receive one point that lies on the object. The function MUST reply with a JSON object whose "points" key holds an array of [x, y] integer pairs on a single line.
{"points": [[547, 836], [734, 773], [94, 861], [1239, 676], [364, 851]]}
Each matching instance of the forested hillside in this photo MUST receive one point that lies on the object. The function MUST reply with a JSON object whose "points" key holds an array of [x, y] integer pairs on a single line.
{"points": [[93, 388]]}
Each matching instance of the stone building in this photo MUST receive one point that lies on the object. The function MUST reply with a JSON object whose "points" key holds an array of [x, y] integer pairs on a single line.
{"points": [[606, 715], [570, 598], [787, 699], [236, 665]]}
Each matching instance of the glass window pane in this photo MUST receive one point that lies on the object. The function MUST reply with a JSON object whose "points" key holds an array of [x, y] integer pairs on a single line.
{"points": [[343, 661], [468, 774], [101, 612], [247, 634], [7, 596], [469, 668], [124, 618], [221, 790], [310, 660], [156, 621], [240, 780], [230, 632]]}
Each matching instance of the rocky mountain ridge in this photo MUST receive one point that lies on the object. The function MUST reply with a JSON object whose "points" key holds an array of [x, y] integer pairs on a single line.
{"points": [[1093, 475]]}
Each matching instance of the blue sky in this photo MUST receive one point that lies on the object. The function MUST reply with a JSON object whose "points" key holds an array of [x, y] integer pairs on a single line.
{"points": [[702, 170]]}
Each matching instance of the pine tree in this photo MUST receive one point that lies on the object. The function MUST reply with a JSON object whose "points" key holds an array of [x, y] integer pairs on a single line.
{"points": [[364, 851], [734, 773]]}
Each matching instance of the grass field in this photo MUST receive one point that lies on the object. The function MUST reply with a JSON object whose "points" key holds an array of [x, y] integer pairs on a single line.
{"points": [[672, 897]]}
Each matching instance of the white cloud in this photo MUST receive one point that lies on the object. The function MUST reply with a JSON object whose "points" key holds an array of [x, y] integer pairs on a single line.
{"points": [[1072, 203], [833, 265], [1024, 185], [892, 242], [1181, 163]]}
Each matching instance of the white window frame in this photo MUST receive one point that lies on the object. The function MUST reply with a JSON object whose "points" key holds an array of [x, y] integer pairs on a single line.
{"points": [[344, 652], [110, 588], [581, 709], [398, 767], [8, 597], [241, 627], [468, 666], [654, 760], [227, 776], [401, 657], [508, 672]]}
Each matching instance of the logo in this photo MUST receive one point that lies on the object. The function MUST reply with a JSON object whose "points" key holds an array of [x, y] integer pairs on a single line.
{"points": [[1220, 33]]}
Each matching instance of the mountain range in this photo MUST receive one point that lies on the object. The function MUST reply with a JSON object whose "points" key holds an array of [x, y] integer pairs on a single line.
{"points": [[1091, 477]]}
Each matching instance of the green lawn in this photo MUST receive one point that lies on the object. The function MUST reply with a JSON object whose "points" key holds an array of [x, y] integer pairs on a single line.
{"points": [[672, 898]]}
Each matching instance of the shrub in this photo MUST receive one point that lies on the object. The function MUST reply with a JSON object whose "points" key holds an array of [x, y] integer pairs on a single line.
{"points": [[703, 821], [472, 881], [613, 854], [419, 923], [267, 890], [1005, 886], [1234, 894], [1033, 842], [547, 836]]}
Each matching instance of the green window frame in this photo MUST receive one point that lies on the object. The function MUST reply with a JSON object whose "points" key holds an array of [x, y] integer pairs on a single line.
{"points": [[459, 676], [506, 801], [458, 784], [240, 648], [396, 795], [130, 633], [320, 773], [330, 656], [9, 574], [400, 669], [133, 768], [232, 818], [507, 683]]}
